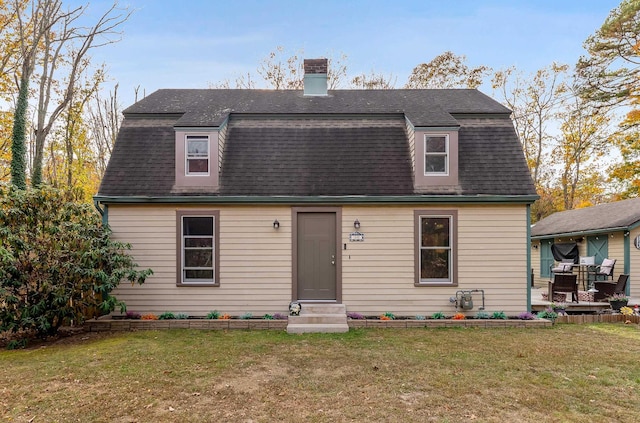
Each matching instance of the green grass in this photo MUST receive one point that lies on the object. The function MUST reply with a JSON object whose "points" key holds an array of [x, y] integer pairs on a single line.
{"points": [[565, 373]]}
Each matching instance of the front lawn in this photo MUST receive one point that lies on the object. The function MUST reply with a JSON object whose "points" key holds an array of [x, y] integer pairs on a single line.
{"points": [[565, 373]]}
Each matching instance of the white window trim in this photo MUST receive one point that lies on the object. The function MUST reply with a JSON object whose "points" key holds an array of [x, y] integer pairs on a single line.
{"points": [[183, 280], [446, 154], [186, 155]]}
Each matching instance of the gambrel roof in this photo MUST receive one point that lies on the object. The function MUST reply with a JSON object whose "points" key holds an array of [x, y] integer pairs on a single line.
{"points": [[348, 143]]}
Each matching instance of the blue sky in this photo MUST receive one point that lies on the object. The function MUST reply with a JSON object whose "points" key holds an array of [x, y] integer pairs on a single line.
{"points": [[194, 43]]}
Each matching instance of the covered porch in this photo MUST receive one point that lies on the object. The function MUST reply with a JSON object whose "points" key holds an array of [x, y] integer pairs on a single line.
{"points": [[584, 305]]}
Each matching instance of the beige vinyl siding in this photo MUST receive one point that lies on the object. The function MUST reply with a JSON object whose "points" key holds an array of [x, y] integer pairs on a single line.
{"points": [[255, 260], [535, 264], [378, 274], [616, 251]]}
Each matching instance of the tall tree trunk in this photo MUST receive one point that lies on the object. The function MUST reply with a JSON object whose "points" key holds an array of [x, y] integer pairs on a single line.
{"points": [[18, 148]]}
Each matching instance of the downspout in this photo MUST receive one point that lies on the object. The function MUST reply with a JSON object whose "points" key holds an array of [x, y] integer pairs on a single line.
{"points": [[104, 212], [529, 276]]}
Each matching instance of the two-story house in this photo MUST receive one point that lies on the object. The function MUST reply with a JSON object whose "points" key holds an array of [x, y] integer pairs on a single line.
{"points": [[380, 200]]}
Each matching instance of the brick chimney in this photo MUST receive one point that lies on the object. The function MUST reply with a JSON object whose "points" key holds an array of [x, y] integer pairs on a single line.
{"points": [[315, 77]]}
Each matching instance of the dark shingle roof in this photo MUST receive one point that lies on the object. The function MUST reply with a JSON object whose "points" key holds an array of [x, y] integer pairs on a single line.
{"points": [[316, 157], [422, 107], [620, 214], [143, 159], [353, 142], [491, 159]]}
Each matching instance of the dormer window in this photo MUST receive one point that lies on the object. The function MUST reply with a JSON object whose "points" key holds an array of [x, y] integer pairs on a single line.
{"points": [[197, 157], [436, 155], [435, 158]]}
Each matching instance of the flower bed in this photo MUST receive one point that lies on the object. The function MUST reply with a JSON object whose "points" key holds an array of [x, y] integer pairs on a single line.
{"points": [[261, 324]]}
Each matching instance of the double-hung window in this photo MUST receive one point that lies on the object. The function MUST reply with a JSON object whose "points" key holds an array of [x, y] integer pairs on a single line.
{"points": [[436, 154], [197, 157], [436, 259], [198, 248]]}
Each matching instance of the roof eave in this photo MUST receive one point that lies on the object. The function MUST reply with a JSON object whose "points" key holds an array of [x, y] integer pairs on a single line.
{"points": [[584, 233], [343, 199]]}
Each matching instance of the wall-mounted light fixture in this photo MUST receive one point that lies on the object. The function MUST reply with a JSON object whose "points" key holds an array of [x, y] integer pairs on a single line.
{"points": [[276, 224], [356, 224]]}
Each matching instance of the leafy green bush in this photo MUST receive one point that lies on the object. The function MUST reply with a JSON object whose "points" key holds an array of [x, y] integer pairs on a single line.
{"points": [[58, 264], [438, 315], [548, 313], [215, 314], [167, 315], [499, 315]]}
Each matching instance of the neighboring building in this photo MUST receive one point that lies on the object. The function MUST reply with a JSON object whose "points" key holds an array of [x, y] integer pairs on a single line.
{"points": [[381, 200], [610, 230]]}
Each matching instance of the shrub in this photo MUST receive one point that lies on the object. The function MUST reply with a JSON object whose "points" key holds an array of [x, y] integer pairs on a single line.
{"points": [[167, 316], [459, 316], [57, 262], [149, 316], [420, 317], [355, 316], [389, 316], [132, 315], [548, 313], [215, 314], [182, 316], [525, 315], [482, 315], [438, 315], [267, 317], [280, 316], [246, 316], [499, 315], [225, 316]]}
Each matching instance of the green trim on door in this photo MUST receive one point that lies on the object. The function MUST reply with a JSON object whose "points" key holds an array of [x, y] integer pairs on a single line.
{"points": [[598, 246]]}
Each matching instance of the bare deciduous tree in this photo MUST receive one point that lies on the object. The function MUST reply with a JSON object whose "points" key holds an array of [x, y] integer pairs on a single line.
{"points": [[447, 70], [105, 118], [68, 45], [373, 81]]}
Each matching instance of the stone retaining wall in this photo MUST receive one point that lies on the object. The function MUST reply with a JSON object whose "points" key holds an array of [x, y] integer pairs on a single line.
{"points": [[131, 325], [597, 318]]}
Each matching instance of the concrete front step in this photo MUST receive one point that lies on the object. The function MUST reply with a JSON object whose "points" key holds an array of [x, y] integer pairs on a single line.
{"points": [[319, 317], [323, 308], [317, 328]]}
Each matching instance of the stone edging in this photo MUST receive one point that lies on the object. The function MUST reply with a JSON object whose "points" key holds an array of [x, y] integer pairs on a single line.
{"points": [[597, 318], [132, 325]]}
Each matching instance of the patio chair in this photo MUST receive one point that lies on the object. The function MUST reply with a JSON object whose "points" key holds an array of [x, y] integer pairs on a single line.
{"points": [[605, 269], [564, 283], [607, 289], [565, 266]]}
